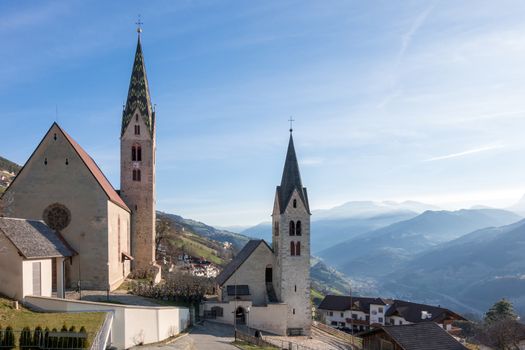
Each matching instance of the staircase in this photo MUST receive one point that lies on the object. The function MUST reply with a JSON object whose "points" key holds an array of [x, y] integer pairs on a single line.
{"points": [[272, 297]]}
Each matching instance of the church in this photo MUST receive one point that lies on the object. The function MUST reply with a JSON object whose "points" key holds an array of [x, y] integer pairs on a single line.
{"points": [[101, 234], [268, 287]]}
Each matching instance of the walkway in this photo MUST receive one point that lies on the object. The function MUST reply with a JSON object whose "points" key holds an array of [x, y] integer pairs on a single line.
{"points": [[209, 336]]}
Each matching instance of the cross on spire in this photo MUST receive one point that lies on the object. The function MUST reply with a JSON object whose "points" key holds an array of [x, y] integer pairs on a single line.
{"points": [[291, 120], [139, 25]]}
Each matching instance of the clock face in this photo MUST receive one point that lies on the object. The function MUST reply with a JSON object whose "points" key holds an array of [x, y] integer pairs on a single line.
{"points": [[57, 216]]}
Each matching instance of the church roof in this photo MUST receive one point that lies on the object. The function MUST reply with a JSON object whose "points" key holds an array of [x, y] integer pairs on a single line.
{"points": [[138, 94], [241, 257], [291, 180], [95, 171], [34, 239]]}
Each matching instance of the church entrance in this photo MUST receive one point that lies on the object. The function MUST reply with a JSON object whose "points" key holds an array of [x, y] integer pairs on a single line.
{"points": [[240, 316], [269, 274]]}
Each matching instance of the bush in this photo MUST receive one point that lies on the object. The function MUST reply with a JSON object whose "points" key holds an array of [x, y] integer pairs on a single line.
{"points": [[25, 340], [9, 338], [38, 338]]}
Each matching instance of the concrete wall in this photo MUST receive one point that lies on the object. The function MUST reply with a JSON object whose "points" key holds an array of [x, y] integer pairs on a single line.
{"points": [[139, 196], [10, 270], [118, 242], [131, 325], [271, 318], [292, 275], [252, 272], [46, 277], [39, 185]]}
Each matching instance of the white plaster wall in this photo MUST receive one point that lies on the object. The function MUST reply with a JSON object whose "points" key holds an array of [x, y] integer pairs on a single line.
{"points": [[271, 318], [397, 320], [131, 324], [118, 268], [375, 314], [46, 277], [336, 316], [11, 284], [252, 272]]}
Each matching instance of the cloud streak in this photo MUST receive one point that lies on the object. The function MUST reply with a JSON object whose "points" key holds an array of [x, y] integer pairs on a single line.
{"points": [[465, 153]]}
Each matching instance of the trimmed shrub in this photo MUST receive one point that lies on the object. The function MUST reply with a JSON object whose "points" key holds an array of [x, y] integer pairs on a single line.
{"points": [[83, 341], [38, 338], [9, 338], [25, 340]]}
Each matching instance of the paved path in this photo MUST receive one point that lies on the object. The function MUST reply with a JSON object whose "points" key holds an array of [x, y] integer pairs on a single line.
{"points": [[209, 336]]}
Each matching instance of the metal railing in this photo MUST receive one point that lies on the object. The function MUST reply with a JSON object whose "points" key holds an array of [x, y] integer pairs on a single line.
{"points": [[101, 340]]}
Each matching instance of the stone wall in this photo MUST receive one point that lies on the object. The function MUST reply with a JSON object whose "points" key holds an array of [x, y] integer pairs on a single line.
{"points": [[139, 195]]}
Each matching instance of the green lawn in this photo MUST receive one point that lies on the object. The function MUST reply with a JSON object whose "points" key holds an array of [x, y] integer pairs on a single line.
{"points": [[246, 346], [196, 248], [23, 317]]}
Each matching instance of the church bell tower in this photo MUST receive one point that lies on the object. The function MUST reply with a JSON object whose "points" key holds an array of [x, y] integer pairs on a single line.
{"points": [[137, 164], [291, 245]]}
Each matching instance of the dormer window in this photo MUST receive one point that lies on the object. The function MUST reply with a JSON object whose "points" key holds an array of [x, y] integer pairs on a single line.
{"points": [[137, 129]]}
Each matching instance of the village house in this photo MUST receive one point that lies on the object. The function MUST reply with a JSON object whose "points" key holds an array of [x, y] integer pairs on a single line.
{"points": [[364, 313], [418, 336]]}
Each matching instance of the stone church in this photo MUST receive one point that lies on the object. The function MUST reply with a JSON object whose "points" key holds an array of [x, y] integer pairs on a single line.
{"points": [[268, 287], [111, 232]]}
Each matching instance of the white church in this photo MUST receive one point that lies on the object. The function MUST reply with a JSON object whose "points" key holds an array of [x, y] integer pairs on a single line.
{"points": [[268, 287]]}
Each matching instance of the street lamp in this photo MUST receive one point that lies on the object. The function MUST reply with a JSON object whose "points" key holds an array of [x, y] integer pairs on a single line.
{"points": [[248, 317]]}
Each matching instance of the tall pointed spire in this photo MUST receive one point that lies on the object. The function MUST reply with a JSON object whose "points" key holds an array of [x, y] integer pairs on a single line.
{"points": [[291, 179], [138, 93]]}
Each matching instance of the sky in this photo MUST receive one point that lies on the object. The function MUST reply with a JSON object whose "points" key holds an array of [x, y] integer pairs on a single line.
{"points": [[412, 100]]}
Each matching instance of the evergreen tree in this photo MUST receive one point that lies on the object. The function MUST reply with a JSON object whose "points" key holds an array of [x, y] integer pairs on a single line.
{"points": [[501, 310]]}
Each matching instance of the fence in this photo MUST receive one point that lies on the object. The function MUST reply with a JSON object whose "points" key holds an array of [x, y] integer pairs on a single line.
{"points": [[43, 340], [102, 338], [251, 339], [339, 334]]}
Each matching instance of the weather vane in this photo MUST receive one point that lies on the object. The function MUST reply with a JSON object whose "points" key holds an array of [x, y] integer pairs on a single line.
{"points": [[139, 25], [291, 120]]}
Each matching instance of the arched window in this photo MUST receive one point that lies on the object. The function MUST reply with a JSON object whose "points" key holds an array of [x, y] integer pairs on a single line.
{"points": [[136, 174], [292, 248], [298, 228], [298, 248], [136, 153], [292, 228], [276, 228], [295, 203]]}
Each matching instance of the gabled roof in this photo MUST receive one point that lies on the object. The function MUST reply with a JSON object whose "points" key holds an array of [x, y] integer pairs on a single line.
{"points": [[419, 336], [343, 302], [90, 164], [34, 239], [138, 94], [291, 180], [241, 257], [412, 312]]}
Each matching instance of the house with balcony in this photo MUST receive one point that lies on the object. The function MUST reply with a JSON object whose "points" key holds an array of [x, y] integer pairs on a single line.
{"points": [[360, 314]]}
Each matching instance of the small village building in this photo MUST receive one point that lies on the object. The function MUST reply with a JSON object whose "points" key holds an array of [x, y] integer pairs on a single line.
{"points": [[268, 287], [419, 336], [35, 255], [360, 314]]}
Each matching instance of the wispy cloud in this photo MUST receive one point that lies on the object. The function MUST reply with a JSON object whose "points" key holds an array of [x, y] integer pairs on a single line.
{"points": [[465, 153], [406, 39]]}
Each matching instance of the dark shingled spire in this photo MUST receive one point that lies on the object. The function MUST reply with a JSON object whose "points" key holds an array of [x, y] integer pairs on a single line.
{"points": [[291, 180], [138, 94]]}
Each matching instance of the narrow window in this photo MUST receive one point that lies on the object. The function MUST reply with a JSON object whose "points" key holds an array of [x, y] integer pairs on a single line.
{"points": [[295, 203], [298, 228], [136, 117], [139, 154], [295, 288], [292, 248], [294, 311], [137, 129], [45, 161], [136, 208], [276, 228], [298, 249], [136, 174], [119, 247], [55, 137], [67, 161], [133, 153], [292, 228]]}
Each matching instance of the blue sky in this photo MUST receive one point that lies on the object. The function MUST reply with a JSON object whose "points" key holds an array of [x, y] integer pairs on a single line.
{"points": [[420, 100]]}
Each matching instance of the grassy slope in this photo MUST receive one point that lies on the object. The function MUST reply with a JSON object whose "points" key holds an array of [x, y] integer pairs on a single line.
{"points": [[19, 319], [196, 246]]}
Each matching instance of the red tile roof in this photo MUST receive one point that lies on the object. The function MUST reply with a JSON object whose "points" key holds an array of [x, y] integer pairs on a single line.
{"points": [[96, 172]]}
